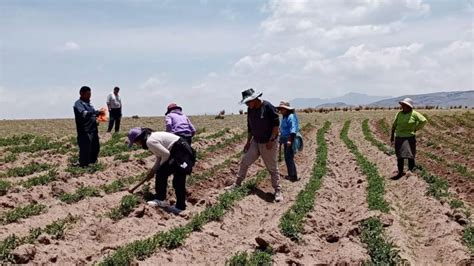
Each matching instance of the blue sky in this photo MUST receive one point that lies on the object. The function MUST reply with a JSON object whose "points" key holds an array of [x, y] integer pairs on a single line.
{"points": [[202, 54]]}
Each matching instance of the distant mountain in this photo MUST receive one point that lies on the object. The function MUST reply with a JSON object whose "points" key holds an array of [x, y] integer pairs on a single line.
{"points": [[442, 99], [351, 98], [332, 105]]}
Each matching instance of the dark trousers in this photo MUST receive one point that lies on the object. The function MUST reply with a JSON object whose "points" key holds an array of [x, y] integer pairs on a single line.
{"points": [[188, 139], [290, 162], [179, 180], [89, 148], [401, 162], [115, 117]]}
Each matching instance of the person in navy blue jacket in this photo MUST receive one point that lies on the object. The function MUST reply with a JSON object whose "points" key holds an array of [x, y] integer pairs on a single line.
{"points": [[86, 125]]}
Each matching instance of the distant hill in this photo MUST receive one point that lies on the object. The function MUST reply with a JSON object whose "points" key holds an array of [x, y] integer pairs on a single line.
{"points": [[442, 99], [351, 98], [332, 105]]}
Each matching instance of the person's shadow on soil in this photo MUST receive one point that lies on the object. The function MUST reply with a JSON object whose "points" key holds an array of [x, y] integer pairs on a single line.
{"points": [[266, 196]]}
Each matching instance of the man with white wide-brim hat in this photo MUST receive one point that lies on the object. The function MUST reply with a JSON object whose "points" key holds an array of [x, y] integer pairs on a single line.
{"points": [[262, 124], [404, 128]]}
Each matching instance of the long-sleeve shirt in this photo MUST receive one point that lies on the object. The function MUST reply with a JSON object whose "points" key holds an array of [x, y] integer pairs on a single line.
{"points": [[85, 116], [289, 125], [160, 144], [179, 124], [260, 122], [406, 124]]}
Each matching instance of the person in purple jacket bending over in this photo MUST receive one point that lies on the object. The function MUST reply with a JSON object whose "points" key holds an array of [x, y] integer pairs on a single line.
{"points": [[178, 123]]}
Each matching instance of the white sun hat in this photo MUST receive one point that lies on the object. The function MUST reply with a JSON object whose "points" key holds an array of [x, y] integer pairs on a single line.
{"points": [[407, 101]]}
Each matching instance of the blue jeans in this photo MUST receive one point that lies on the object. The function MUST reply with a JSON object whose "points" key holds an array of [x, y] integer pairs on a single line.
{"points": [[290, 161]]}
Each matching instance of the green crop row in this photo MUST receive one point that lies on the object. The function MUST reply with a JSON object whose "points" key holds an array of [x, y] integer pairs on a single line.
{"points": [[218, 134], [468, 238], [81, 193], [21, 213], [38, 144], [257, 258], [56, 230], [123, 157], [381, 251], [194, 178], [77, 170], [16, 140], [5, 185], [221, 145], [52, 175], [28, 169], [9, 158], [368, 136], [382, 124], [175, 237], [376, 186], [291, 223], [120, 184]]}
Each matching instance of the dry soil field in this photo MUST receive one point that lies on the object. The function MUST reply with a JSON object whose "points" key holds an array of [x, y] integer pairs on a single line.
{"points": [[344, 210]]}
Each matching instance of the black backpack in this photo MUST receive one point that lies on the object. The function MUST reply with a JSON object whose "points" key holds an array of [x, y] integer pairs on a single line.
{"points": [[184, 159]]}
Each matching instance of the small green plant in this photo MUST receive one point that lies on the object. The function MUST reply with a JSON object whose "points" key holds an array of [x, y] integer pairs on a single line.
{"points": [[437, 187], [4, 187], [376, 186], [127, 204], [120, 184], [122, 157], [468, 238], [143, 155], [10, 157], [40, 180], [28, 169], [291, 223], [56, 229], [77, 170], [80, 194], [455, 203], [381, 251], [257, 257], [16, 140], [21, 213], [218, 134]]}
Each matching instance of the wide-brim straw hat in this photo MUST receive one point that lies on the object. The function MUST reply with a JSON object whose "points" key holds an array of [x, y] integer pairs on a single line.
{"points": [[407, 101], [250, 94], [285, 105]]}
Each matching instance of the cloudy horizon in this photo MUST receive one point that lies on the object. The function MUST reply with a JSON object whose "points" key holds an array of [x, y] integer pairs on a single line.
{"points": [[202, 54]]}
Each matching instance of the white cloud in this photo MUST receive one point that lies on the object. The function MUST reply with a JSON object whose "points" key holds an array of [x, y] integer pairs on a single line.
{"points": [[70, 46], [297, 16]]}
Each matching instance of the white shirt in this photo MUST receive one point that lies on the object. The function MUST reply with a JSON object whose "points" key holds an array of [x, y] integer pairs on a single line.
{"points": [[160, 144], [114, 101]]}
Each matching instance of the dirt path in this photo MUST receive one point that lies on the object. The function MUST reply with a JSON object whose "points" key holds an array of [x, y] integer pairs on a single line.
{"points": [[340, 205], [256, 215], [420, 228]]}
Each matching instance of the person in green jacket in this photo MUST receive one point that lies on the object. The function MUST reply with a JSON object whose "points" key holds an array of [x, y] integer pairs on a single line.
{"points": [[404, 128]]}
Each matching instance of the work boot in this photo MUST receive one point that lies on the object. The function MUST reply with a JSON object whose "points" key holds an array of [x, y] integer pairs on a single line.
{"points": [[278, 196], [175, 210]]}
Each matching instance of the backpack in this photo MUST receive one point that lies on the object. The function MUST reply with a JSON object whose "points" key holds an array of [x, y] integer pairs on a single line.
{"points": [[183, 160]]}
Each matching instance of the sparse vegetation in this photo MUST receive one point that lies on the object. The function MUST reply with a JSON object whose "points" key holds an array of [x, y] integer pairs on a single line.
{"points": [[369, 137], [127, 204], [80, 194], [77, 170], [291, 223], [21, 213], [40, 180], [257, 257], [29, 169], [375, 187], [381, 251]]}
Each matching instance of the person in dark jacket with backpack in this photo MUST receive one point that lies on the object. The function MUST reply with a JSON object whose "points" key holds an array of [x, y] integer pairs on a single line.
{"points": [[86, 125], [174, 156]]}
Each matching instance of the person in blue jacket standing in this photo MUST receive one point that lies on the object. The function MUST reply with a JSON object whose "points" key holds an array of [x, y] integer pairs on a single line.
{"points": [[86, 125], [289, 137]]}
